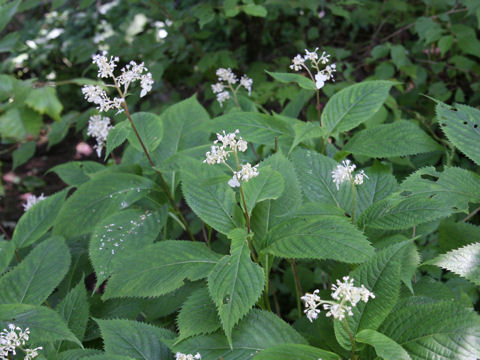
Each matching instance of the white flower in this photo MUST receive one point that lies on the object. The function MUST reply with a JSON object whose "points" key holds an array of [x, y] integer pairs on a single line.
{"points": [[337, 310], [358, 180], [227, 140], [324, 58], [346, 291], [343, 172], [32, 200], [233, 182], [222, 97], [217, 88], [99, 127], [31, 353], [246, 82], [226, 75], [247, 172], [105, 66], [217, 155], [10, 341], [297, 63], [320, 79], [241, 145], [312, 301], [329, 70], [180, 356], [95, 94], [146, 83], [312, 56]]}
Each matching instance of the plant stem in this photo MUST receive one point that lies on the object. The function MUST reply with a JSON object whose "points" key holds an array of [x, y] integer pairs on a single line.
{"points": [[298, 287], [472, 214], [352, 340], [247, 217], [317, 92], [267, 285], [354, 201]]}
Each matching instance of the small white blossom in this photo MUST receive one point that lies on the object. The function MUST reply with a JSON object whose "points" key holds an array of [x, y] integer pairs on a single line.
{"points": [[224, 87], [32, 200], [226, 75], [217, 88], [246, 82], [31, 353], [320, 79], [10, 340], [315, 63], [344, 172], [312, 56], [324, 58], [227, 140], [222, 97], [241, 145], [217, 155], [146, 83], [297, 63], [312, 301], [358, 180], [99, 127], [247, 172], [337, 310], [233, 182], [105, 66], [180, 356]]}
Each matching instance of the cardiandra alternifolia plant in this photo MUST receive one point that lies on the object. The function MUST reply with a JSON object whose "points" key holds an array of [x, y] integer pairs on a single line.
{"points": [[252, 235]]}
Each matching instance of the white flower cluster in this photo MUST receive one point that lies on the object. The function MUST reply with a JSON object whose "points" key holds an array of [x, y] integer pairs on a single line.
{"points": [[130, 73], [32, 200], [10, 341], [180, 356], [321, 76], [344, 172], [346, 294], [218, 154], [99, 127], [226, 80]]}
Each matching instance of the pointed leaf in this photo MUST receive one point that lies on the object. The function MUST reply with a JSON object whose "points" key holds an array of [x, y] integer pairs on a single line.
{"points": [[267, 185], [74, 309], [236, 282], [160, 268], [45, 101], [149, 127], [300, 80], [295, 351], [35, 278], [353, 105], [385, 347]]}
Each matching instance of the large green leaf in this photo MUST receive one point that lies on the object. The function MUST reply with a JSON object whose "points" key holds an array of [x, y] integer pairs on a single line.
{"points": [[77, 354], [74, 309], [435, 330], [45, 101], [318, 237], [7, 249], [198, 315], [135, 339], [76, 172], [35, 278], [160, 268], [400, 138], [300, 80], [37, 220], [45, 324], [353, 105], [267, 185], [385, 347], [119, 234], [235, 283], [96, 199], [452, 235], [209, 196], [257, 331], [464, 262], [295, 352], [381, 275], [461, 126], [7, 12]]}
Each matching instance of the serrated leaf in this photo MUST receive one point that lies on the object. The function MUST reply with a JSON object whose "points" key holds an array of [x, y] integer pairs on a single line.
{"points": [[461, 126], [235, 283], [35, 278], [452, 235], [464, 262], [135, 339], [398, 212], [74, 309], [300, 80], [198, 315], [76, 172], [149, 127], [385, 347], [77, 354], [120, 233], [318, 237], [209, 196], [295, 352], [97, 198], [45, 324], [257, 331], [160, 268], [434, 330], [381, 275], [268, 185], [116, 136], [38, 220], [108, 357], [305, 131], [45, 101], [400, 138], [353, 105]]}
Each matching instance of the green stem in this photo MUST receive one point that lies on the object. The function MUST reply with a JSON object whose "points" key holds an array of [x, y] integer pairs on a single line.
{"points": [[298, 287], [267, 284], [354, 201], [352, 340]]}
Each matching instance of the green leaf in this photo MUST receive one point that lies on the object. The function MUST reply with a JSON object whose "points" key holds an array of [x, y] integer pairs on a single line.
{"points": [[434, 330], [38, 220], [235, 283], [295, 352], [452, 235], [35, 278], [461, 126], [255, 10], [300, 80], [7, 12], [45, 324], [45, 101], [150, 129], [464, 262], [204, 13], [74, 309], [7, 249], [381, 275], [267, 185], [76, 172], [305, 131], [11, 125], [385, 347], [135, 339], [119, 234], [318, 237], [108, 357], [210, 197], [117, 136], [160, 268], [400, 138], [297, 103], [77, 354], [353, 105], [23, 154], [97, 198], [198, 315], [257, 331]]}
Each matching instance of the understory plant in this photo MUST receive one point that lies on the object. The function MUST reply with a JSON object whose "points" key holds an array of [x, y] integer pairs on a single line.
{"points": [[253, 234]]}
